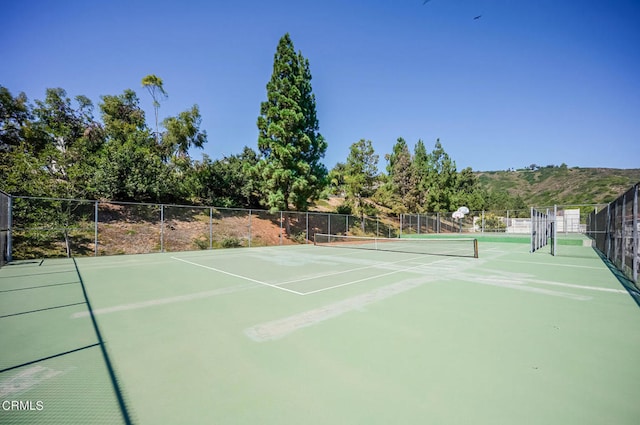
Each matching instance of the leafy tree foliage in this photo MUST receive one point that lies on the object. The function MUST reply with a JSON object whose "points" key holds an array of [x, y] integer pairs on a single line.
{"points": [[420, 169], [225, 182], [289, 141], [427, 181], [14, 115], [402, 177], [47, 145], [336, 178], [360, 175], [155, 87], [442, 181], [182, 133], [131, 167], [56, 147], [72, 139]]}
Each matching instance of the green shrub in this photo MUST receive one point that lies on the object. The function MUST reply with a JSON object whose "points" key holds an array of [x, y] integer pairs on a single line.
{"points": [[201, 242], [231, 242], [300, 237], [493, 223], [344, 208]]}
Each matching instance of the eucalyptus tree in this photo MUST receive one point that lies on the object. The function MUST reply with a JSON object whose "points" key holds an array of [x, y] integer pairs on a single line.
{"points": [[155, 87]]}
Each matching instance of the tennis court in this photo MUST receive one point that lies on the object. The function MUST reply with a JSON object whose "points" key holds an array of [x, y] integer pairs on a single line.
{"points": [[308, 334]]}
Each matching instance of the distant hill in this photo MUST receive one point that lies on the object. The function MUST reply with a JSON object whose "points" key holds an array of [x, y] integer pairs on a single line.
{"points": [[562, 185]]}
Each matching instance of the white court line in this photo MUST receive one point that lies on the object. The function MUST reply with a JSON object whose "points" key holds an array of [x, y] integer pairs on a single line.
{"points": [[551, 264], [163, 301], [369, 278], [238, 276], [572, 285], [370, 266]]}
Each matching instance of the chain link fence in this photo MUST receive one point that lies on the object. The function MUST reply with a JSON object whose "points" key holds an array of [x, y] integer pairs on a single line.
{"points": [[614, 230], [5, 227], [52, 227], [569, 219]]}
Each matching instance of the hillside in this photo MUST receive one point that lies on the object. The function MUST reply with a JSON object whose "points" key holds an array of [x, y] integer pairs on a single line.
{"points": [[562, 185]]}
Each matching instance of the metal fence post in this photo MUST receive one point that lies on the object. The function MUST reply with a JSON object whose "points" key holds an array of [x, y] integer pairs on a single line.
{"points": [[533, 240], [554, 231], [9, 226], [623, 232], [635, 241], [281, 223], [507, 228], [607, 234], [161, 228], [95, 254], [210, 227], [306, 232], [249, 227]]}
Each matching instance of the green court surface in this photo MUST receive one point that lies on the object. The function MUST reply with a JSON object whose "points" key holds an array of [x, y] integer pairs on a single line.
{"points": [[320, 335]]}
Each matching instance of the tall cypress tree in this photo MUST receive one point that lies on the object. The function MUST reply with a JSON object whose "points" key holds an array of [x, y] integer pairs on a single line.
{"points": [[290, 144], [421, 169], [401, 175]]}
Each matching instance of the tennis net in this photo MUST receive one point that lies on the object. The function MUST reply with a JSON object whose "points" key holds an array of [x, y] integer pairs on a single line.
{"points": [[455, 247]]}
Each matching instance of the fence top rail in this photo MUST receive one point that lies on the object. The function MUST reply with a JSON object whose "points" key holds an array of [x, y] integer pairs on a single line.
{"points": [[204, 207], [45, 198], [258, 210], [569, 206]]}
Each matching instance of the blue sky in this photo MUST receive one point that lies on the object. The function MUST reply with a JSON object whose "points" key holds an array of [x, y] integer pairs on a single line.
{"points": [[541, 82]]}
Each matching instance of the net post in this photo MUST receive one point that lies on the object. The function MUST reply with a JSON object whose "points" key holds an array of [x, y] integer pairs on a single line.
{"points": [[95, 244], [475, 248]]}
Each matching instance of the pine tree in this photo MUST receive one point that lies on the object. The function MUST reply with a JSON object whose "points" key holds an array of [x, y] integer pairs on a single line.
{"points": [[361, 172], [442, 180], [401, 176], [289, 141], [421, 169]]}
